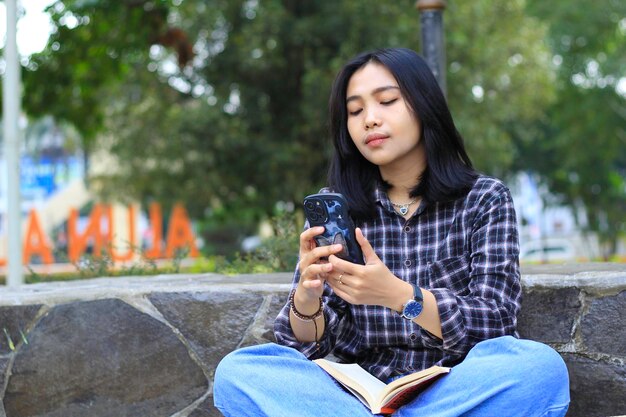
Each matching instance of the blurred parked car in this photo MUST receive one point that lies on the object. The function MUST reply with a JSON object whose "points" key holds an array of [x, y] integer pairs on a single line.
{"points": [[548, 250]]}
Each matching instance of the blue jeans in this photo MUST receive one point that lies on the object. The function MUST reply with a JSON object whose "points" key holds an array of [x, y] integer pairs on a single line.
{"points": [[501, 377]]}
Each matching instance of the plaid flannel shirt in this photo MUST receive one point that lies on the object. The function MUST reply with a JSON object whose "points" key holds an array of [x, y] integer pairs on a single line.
{"points": [[465, 252]]}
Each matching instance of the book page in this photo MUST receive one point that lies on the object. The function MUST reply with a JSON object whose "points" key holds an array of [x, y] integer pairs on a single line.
{"points": [[354, 377], [408, 379], [375, 393], [400, 396]]}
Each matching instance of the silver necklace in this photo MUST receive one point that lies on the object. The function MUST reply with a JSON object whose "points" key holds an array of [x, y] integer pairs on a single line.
{"points": [[403, 208]]}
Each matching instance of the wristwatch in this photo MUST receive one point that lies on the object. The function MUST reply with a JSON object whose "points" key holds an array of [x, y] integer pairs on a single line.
{"points": [[413, 307]]}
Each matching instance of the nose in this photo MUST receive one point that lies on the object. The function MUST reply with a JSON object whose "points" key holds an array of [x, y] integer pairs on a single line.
{"points": [[371, 118]]}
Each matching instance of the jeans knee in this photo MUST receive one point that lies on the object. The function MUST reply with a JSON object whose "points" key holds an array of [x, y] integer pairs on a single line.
{"points": [[542, 366], [224, 368], [244, 364]]}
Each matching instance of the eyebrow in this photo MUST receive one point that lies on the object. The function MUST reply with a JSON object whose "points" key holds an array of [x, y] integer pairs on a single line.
{"points": [[374, 92]]}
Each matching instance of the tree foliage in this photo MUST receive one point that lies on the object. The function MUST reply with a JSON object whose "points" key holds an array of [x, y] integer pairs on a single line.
{"points": [[248, 127], [239, 123], [581, 148], [94, 45], [246, 119], [499, 75]]}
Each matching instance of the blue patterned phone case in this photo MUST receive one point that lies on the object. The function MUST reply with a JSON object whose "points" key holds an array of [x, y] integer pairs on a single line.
{"points": [[331, 211]]}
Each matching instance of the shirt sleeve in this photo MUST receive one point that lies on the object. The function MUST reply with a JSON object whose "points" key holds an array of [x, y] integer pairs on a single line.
{"points": [[490, 305], [334, 309]]}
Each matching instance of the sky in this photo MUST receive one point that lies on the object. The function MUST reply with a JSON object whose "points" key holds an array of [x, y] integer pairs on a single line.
{"points": [[32, 28]]}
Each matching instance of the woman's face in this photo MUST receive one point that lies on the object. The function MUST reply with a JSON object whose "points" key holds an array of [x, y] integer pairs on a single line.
{"points": [[380, 123]]}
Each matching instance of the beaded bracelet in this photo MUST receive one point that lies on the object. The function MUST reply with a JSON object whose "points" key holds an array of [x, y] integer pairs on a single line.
{"points": [[313, 317], [301, 316]]}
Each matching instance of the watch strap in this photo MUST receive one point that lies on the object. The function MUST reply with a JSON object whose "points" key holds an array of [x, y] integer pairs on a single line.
{"points": [[417, 294]]}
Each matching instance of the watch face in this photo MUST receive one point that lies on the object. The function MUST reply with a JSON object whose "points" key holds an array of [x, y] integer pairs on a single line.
{"points": [[412, 309]]}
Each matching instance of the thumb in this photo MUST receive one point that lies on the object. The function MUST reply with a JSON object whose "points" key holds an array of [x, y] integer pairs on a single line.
{"points": [[366, 247]]}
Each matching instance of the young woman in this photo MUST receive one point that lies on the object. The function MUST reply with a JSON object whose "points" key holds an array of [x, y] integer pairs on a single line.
{"points": [[441, 282]]}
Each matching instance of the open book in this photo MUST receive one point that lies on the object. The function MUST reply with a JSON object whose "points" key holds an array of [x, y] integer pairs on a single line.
{"points": [[378, 396]]}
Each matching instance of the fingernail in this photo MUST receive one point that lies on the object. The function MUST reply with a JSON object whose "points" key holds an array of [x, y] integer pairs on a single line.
{"points": [[338, 247]]}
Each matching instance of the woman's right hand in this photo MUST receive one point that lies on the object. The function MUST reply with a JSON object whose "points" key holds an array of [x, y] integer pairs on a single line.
{"points": [[313, 266]]}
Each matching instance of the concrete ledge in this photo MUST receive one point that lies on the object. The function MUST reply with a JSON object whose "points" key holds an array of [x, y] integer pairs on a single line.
{"points": [[148, 346]]}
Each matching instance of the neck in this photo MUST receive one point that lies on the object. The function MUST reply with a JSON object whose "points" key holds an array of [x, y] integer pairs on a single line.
{"points": [[399, 195], [403, 177]]}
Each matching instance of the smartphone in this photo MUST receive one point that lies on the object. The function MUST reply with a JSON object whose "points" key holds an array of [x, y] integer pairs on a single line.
{"points": [[331, 211]]}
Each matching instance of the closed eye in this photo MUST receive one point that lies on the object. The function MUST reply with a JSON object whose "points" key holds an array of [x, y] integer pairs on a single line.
{"points": [[388, 102], [355, 113]]}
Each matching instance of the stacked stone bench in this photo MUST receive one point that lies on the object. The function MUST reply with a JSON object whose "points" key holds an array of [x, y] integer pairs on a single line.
{"points": [[148, 346]]}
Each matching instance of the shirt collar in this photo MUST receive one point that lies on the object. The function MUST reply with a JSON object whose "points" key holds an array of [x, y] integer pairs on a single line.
{"points": [[382, 199]]}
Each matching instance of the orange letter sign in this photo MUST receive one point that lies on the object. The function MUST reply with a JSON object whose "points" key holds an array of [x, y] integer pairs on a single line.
{"points": [[156, 223], [35, 241], [117, 257], [77, 243], [179, 234]]}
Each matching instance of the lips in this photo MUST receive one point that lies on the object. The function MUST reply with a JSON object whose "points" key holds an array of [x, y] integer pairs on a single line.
{"points": [[374, 139]]}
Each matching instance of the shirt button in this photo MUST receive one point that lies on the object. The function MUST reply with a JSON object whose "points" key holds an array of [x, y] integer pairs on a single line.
{"points": [[407, 262], [413, 337], [407, 229]]}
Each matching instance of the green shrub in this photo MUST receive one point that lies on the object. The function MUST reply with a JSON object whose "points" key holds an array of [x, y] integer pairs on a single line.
{"points": [[278, 253]]}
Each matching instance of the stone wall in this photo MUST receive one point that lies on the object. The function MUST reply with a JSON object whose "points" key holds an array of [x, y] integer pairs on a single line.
{"points": [[148, 346]]}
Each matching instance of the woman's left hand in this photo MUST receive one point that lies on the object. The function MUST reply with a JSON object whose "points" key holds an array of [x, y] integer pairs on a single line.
{"points": [[372, 283]]}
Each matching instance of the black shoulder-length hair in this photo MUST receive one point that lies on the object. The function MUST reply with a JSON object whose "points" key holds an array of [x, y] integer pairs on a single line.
{"points": [[449, 173]]}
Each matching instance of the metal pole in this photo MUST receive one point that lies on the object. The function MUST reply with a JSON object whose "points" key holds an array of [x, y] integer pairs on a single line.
{"points": [[11, 103], [433, 44]]}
